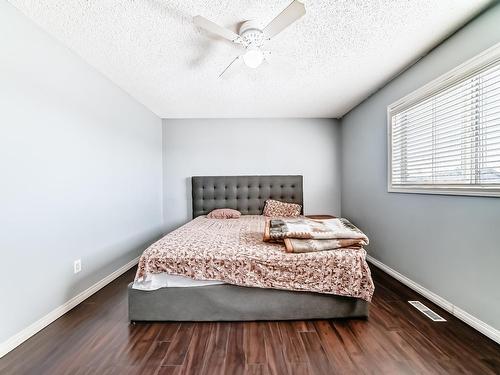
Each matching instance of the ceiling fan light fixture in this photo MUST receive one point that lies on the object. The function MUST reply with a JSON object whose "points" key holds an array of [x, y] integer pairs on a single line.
{"points": [[251, 35], [253, 57]]}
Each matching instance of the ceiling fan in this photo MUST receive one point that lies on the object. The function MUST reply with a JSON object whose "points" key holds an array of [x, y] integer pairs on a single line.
{"points": [[252, 36]]}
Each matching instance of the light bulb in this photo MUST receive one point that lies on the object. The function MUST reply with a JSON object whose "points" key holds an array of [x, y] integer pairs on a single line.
{"points": [[253, 57]]}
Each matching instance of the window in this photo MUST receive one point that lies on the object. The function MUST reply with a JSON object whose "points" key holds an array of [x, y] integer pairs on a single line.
{"points": [[445, 137]]}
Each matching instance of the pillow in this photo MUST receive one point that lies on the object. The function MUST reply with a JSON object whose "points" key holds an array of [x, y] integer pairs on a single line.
{"points": [[224, 213], [281, 209]]}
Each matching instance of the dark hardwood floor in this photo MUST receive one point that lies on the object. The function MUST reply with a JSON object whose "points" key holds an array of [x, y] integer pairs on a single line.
{"points": [[96, 338]]}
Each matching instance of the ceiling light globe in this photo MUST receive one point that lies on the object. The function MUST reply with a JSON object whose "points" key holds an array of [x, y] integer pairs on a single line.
{"points": [[253, 58]]}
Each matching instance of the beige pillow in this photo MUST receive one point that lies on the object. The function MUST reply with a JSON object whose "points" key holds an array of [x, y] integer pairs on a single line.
{"points": [[281, 209], [224, 213]]}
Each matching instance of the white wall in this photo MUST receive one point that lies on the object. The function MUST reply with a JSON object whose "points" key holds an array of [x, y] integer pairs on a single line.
{"points": [[80, 170], [448, 244], [309, 147]]}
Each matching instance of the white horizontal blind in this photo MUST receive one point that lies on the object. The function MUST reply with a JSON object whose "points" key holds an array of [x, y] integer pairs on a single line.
{"points": [[450, 138]]}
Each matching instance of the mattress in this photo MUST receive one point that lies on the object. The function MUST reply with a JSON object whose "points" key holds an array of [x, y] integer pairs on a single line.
{"points": [[233, 251], [165, 280]]}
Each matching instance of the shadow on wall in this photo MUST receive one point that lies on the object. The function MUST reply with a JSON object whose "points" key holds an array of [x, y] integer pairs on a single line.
{"points": [[134, 244], [189, 198], [171, 222]]}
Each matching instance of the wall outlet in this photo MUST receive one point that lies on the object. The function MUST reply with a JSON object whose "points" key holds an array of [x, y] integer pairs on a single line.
{"points": [[77, 265]]}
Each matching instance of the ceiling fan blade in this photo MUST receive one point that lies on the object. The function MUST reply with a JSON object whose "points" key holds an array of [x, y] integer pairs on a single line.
{"points": [[231, 63], [288, 16], [216, 29]]}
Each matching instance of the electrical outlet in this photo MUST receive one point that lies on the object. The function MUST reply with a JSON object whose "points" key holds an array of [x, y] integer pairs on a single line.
{"points": [[77, 265]]}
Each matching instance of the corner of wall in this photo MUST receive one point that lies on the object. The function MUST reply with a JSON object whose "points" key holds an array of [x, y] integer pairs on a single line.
{"points": [[341, 159], [163, 173]]}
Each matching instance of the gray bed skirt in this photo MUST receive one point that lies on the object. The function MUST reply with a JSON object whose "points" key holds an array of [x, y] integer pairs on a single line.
{"points": [[235, 303]]}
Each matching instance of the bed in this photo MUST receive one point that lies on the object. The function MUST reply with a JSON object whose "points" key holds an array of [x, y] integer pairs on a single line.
{"points": [[248, 296]]}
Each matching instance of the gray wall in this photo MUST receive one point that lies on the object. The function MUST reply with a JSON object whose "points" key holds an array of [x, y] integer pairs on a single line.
{"points": [[448, 244], [251, 146], [80, 170]]}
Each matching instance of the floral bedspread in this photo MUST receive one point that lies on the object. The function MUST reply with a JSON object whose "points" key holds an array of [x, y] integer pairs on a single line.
{"points": [[233, 251]]}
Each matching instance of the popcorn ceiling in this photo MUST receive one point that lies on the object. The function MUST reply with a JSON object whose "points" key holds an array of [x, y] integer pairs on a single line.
{"points": [[321, 66]]}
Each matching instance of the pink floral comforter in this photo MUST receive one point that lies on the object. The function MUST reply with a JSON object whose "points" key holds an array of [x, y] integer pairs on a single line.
{"points": [[233, 251]]}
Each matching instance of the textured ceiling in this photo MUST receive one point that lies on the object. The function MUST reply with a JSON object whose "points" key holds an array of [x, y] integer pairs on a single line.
{"points": [[321, 66]]}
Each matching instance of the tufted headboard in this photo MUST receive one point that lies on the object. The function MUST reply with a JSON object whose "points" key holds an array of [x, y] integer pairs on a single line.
{"points": [[246, 194]]}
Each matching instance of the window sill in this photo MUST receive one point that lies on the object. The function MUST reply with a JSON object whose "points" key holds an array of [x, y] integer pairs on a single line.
{"points": [[483, 192]]}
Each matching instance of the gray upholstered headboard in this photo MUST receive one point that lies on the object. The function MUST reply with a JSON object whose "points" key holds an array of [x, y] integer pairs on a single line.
{"points": [[246, 194]]}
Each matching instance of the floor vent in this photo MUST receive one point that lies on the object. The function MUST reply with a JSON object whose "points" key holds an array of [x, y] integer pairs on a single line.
{"points": [[426, 311]]}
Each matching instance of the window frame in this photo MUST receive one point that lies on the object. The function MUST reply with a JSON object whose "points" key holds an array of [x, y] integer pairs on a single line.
{"points": [[437, 85]]}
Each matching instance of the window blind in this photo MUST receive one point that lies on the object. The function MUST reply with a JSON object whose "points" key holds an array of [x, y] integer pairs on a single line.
{"points": [[449, 137]]}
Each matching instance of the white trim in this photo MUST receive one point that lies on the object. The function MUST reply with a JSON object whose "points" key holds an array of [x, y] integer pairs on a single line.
{"points": [[464, 316], [485, 57], [470, 192], [25, 334], [34, 328], [489, 56]]}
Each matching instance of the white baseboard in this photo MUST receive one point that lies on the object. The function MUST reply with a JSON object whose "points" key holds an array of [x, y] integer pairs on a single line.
{"points": [[464, 316], [43, 322], [37, 326]]}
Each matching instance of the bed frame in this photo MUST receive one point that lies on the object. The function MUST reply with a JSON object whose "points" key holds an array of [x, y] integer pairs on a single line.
{"points": [[226, 302]]}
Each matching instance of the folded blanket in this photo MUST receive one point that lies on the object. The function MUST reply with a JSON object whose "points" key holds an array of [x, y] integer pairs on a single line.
{"points": [[306, 235], [295, 245]]}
